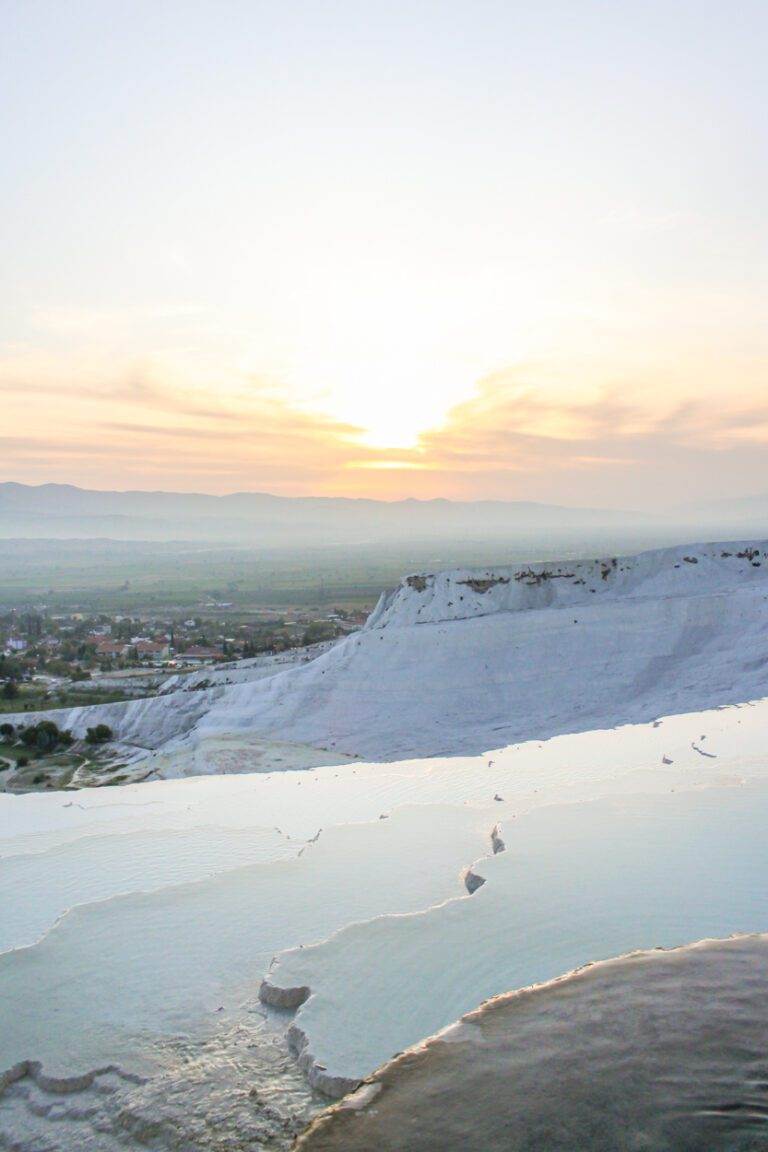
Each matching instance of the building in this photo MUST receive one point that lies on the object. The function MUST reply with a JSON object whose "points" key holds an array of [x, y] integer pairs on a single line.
{"points": [[197, 654]]}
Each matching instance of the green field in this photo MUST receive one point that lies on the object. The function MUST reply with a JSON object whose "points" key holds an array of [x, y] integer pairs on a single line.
{"points": [[33, 698], [133, 577]]}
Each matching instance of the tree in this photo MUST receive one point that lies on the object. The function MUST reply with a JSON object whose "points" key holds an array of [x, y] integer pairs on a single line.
{"points": [[10, 690], [319, 630], [45, 737], [98, 735]]}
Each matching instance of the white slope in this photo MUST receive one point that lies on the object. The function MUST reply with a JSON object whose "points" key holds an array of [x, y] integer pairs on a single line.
{"points": [[464, 661], [464, 595], [239, 671]]}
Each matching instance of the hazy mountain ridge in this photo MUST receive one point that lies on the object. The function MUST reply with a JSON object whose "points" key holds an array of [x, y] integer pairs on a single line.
{"points": [[57, 510], [65, 511]]}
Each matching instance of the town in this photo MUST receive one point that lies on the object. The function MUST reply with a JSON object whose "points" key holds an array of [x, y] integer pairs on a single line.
{"points": [[51, 658]]}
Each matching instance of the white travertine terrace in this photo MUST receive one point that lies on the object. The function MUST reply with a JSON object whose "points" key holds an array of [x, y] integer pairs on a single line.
{"points": [[142, 914]]}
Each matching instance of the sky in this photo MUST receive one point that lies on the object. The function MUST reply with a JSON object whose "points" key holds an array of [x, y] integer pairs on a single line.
{"points": [[462, 249]]}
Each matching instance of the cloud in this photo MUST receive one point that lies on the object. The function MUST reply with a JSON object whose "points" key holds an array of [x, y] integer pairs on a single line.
{"points": [[615, 447], [524, 434], [94, 426], [622, 446]]}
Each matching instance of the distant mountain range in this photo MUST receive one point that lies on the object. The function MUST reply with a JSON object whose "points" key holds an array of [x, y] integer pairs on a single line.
{"points": [[56, 511], [61, 510]]}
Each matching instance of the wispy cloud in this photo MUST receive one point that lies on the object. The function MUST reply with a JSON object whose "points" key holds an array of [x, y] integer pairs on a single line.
{"points": [[518, 436]]}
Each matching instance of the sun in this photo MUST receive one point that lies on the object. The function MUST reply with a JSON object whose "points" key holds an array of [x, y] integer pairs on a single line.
{"points": [[393, 401]]}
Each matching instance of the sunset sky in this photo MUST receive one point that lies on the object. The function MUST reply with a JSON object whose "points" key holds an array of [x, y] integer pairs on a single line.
{"points": [[468, 249]]}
